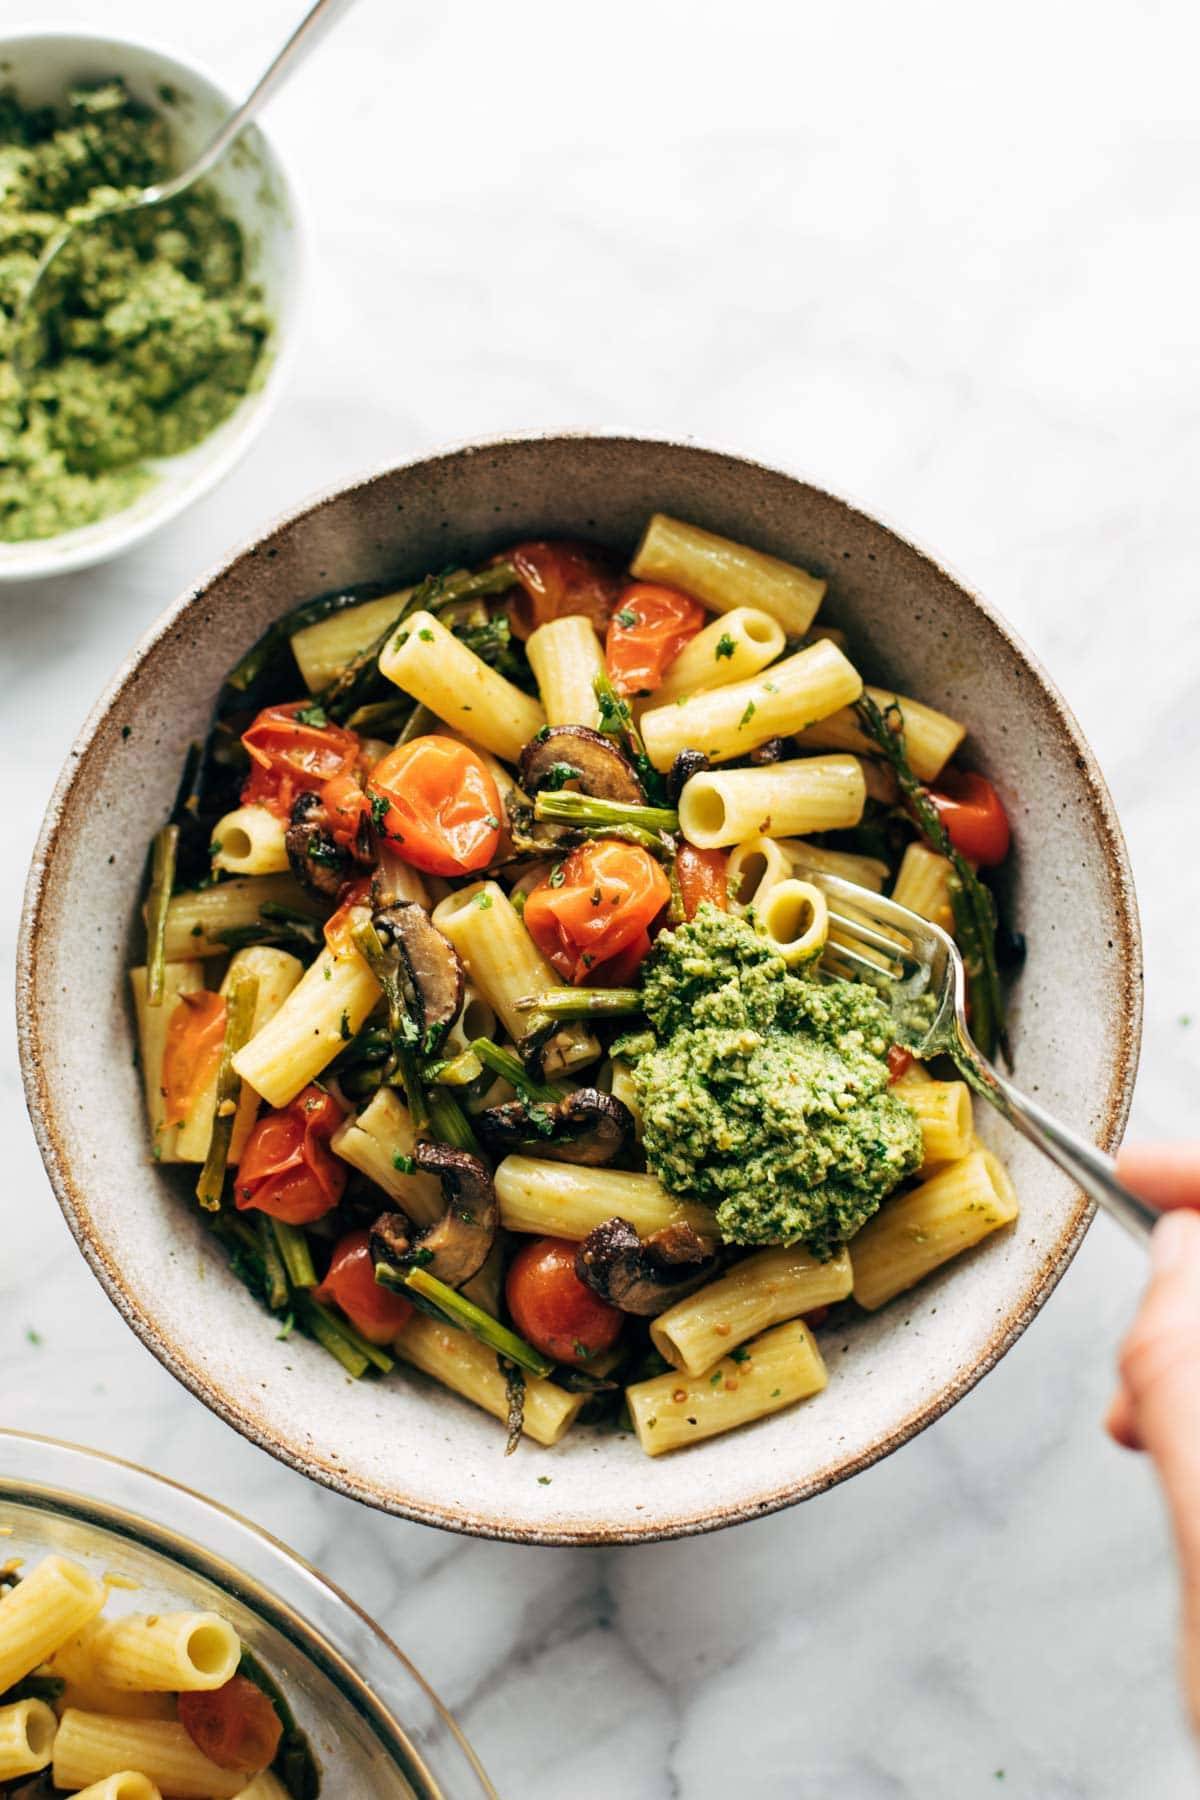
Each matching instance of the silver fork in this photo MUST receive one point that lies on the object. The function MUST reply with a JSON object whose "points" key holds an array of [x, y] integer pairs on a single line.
{"points": [[907, 958]]}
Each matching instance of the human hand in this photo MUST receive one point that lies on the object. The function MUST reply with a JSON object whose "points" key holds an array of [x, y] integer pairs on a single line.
{"points": [[1156, 1407]]}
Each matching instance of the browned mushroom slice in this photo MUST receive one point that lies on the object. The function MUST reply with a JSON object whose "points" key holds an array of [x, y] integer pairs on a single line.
{"points": [[391, 1238], [584, 1127], [770, 752], [563, 753], [318, 861], [643, 1277], [430, 972], [686, 764], [456, 1246]]}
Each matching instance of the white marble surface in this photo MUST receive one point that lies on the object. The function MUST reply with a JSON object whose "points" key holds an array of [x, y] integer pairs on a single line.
{"points": [[945, 261]]}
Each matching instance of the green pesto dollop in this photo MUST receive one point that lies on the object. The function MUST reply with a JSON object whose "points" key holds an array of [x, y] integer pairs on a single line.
{"points": [[153, 334], [764, 1094]]}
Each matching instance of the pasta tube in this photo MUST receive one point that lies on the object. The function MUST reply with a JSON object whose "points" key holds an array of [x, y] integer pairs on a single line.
{"points": [[277, 973], [323, 650], [128, 1785], [725, 722], [153, 1022], [867, 871], [250, 841], [74, 1664], [435, 667], [380, 1142], [265, 1787], [923, 1229], [505, 965], [185, 1652], [794, 919], [92, 1746], [197, 916], [734, 647], [27, 1729], [754, 867], [567, 1200], [324, 1010], [943, 1110], [930, 737], [922, 884], [777, 1369], [52, 1603], [727, 806], [566, 657], [470, 1369], [763, 1290], [725, 574]]}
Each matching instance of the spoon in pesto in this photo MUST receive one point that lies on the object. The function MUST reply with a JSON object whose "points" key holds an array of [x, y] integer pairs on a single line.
{"points": [[29, 336]]}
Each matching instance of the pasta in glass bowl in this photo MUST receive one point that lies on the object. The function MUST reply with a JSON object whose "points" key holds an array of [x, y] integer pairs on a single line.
{"points": [[356, 932], [133, 1596]]}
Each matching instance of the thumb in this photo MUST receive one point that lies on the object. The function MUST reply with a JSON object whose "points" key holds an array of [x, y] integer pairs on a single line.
{"points": [[1160, 1368]]}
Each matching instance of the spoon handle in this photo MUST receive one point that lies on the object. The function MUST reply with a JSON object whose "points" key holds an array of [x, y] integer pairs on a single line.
{"points": [[305, 38]]}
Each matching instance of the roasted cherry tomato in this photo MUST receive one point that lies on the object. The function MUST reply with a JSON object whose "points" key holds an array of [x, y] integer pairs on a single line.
{"points": [[646, 633], [292, 753], [442, 808], [346, 807], [350, 1283], [195, 1034], [235, 1726], [337, 925], [702, 875], [899, 1062], [558, 578], [973, 814], [594, 905], [553, 1309], [287, 1168], [621, 970]]}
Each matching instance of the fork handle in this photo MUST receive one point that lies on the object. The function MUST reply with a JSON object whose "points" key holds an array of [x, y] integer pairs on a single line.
{"points": [[1094, 1172]]}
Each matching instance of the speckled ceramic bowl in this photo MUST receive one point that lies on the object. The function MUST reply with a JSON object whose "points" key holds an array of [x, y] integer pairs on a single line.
{"points": [[403, 1445]]}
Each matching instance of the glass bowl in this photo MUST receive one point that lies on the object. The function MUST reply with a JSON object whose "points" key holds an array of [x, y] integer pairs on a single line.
{"points": [[376, 1726]]}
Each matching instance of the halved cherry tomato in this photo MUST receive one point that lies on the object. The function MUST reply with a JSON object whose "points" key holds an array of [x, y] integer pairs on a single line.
{"points": [[553, 1309], [346, 806], [235, 1726], [594, 905], [337, 925], [621, 970], [557, 578], [350, 1283], [646, 633], [973, 814], [899, 1062], [702, 875], [195, 1034], [443, 810], [287, 1168], [292, 753]]}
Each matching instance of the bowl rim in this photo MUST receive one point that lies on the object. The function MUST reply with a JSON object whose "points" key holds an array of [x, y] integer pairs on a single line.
{"points": [[137, 1503], [37, 559], [1122, 1059]]}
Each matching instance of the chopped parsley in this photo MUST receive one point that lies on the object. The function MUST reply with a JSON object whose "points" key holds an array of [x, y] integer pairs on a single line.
{"points": [[483, 902], [740, 1355], [627, 618], [725, 646], [404, 1165], [380, 807], [749, 713], [556, 876], [545, 1480], [425, 635], [312, 715]]}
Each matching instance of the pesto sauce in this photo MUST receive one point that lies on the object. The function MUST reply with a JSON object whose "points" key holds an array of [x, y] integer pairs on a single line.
{"points": [[153, 334], [764, 1094]]}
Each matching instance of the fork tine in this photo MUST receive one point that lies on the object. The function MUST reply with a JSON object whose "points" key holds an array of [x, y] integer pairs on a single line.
{"points": [[866, 934]]}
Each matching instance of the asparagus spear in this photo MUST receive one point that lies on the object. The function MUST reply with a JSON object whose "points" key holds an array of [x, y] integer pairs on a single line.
{"points": [[355, 1352], [449, 1123], [295, 1254], [239, 1017], [616, 721], [446, 1303], [275, 1275], [970, 898], [503, 1062], [245, 673], [567, 808], [583, 1003], [402, 1028], [162, 880]]}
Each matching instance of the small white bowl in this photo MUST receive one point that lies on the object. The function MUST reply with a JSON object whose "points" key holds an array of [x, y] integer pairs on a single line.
{"points": [[41, 65]]}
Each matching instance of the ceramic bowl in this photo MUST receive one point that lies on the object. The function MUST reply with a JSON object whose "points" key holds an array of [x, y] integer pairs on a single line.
{"points": [[401, 1445], [41, 65], [377, 1728]]}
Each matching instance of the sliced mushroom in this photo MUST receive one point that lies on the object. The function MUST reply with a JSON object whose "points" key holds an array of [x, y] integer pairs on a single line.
{"points": [[770, 752], [643, 1276], [456, 1246], [318, 861], [686, 764], [584, 1127], [430, 971], [562, 753]]}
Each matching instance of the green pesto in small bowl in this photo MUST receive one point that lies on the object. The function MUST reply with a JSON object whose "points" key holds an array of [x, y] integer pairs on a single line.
{"points": [[153, 334]]}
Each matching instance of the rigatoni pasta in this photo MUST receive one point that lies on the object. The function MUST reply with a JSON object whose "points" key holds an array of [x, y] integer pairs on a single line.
{"points": [[551, 1069]]}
